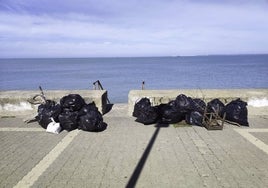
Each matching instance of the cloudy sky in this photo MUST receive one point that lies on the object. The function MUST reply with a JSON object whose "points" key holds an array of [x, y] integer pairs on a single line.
{"points": [[97, 28]]}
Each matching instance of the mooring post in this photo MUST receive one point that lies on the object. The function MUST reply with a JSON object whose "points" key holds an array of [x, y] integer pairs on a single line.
{"points": [[143, 85]]}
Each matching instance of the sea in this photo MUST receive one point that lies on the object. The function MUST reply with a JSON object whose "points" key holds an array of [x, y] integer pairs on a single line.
{"points": [[119, 75]]}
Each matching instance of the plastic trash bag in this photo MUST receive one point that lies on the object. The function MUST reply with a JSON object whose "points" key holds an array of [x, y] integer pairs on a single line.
{"points": [[198, 105], [144, 112], [214, 106], [91, 121], [184, 103], [87, 108], [47, 111], [147, 115], [140, 106], [194, 118], [170, 113], [236, 111], [68, 120], [74, 102], [53, 127]]}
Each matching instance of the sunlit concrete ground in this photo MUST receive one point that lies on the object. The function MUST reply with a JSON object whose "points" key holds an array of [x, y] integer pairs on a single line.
{"points": [[129, 154]]}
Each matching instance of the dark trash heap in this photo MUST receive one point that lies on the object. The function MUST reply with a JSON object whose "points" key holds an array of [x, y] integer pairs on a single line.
{"points": [[189, 109], [72, 113]]}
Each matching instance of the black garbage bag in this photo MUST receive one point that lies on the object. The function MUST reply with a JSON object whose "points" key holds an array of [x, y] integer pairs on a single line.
{"points": [[92, 121], [236, 111], [47, 111], [68, 120], [194, 118], [87, 108], [74, 102], [198, 105], [214, 106], [184, 103], [140, 106], [147, 115], [170, 113]]}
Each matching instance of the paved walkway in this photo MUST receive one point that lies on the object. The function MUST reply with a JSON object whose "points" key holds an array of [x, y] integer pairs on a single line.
{"points": [[129, 154]]}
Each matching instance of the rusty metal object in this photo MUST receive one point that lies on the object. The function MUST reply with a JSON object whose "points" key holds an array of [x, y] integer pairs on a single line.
{"points": [[213, 121], [39, 98], [98, 86]]}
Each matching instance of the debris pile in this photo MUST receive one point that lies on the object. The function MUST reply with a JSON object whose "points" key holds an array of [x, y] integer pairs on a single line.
{"points": [[72, 113], [192, 110]]}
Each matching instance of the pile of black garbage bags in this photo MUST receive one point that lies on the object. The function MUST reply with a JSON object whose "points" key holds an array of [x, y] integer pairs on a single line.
{"points": [[189, 109], [72, 113]]}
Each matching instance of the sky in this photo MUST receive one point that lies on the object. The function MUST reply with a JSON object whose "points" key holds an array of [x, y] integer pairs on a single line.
{"points": [[124, 28]]}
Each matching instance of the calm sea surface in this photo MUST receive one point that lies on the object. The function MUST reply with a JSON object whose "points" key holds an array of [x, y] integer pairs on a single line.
{"points": [[119, 75]]}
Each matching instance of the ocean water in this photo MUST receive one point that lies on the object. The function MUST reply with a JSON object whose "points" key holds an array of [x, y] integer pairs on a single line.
{"points": [[119, 75]]}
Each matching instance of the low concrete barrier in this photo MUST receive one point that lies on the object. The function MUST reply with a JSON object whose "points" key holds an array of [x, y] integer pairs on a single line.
{"points": [[15, 102], [225, 95]]}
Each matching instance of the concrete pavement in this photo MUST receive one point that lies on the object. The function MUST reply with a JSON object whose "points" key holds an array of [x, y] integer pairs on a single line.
{"points": [[129, 154]]}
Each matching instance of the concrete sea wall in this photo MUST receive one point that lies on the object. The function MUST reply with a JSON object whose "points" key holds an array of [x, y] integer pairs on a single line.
{"points": [[16, 102], [257, 99]]}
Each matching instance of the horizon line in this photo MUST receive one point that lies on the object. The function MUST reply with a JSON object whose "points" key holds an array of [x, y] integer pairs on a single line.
{"points": [[160, 56]]}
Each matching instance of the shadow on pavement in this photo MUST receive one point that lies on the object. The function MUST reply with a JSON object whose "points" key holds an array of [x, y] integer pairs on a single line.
{"points": [[108, 108], [135, 175]]}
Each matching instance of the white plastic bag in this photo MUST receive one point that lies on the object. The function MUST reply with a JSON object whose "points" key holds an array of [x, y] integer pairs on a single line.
{"points": [[53, 127]]}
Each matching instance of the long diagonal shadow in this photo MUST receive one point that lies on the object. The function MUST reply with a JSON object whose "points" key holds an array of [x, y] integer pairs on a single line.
{"points": [[135, 175]]}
